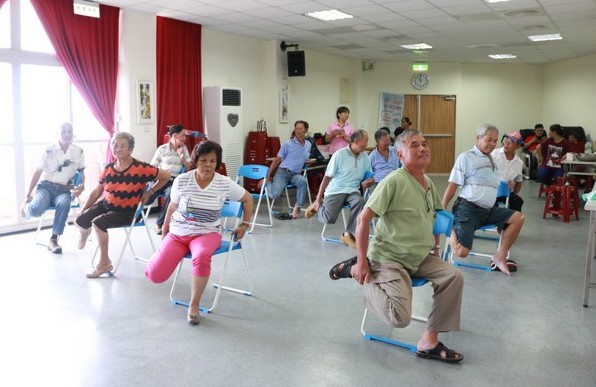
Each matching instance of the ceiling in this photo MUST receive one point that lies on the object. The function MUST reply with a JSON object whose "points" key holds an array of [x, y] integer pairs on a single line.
{"points": [[459, 30]]}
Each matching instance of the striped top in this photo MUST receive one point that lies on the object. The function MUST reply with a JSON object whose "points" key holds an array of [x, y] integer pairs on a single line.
{"points": [[477, 176], [167, 158], [122, 191], [199, 210]]}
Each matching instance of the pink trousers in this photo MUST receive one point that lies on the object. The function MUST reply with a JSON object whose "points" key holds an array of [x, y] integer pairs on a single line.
{"points": [[173, 248]]}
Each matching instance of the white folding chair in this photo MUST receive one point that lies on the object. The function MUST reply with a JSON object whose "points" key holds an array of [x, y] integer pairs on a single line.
{"points": [[257, 172], [502, 191], [77, 180], [442, 226], [139, 220], [231, 209], [291, 186]]}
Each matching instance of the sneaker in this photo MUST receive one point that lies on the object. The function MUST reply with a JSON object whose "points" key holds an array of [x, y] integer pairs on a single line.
{"points": [[158, 230], [310, 211], [83, 237], [348, 240], [54, 247]]}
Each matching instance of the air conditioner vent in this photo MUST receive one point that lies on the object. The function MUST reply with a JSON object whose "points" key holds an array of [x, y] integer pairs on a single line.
{"points": [[231, 97]]}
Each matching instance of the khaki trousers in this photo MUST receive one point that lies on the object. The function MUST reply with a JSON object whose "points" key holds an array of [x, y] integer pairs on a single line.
{"points": [[389, 293]]}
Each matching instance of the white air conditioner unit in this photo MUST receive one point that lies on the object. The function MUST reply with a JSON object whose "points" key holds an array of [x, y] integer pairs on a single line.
{"points": [[224, 125]]}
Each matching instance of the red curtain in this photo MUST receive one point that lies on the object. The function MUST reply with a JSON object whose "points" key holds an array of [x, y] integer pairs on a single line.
{"points": [[179, 99], [88, 49], [2, 3]]}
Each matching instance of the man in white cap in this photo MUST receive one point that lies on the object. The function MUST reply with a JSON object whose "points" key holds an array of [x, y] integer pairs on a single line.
{"points": [[510, 167]]}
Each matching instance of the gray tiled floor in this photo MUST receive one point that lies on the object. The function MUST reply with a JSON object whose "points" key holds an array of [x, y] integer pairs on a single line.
{"points": [[300, 328]]}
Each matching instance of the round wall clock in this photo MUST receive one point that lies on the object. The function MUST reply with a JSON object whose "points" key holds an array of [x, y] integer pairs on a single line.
{"points": [[420, 81]]}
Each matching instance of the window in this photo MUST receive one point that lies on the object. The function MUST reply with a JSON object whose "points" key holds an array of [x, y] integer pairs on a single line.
{"points": [[46, 98]]}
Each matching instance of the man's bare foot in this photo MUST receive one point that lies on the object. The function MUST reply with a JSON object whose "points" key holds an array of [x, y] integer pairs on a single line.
{"points": [[296, 213], [501, 263]]}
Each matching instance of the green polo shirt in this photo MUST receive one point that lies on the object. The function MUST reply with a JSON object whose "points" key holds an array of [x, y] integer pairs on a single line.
{"points": [[404, 232]]}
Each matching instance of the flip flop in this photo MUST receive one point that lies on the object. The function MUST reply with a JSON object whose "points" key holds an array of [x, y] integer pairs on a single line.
{"points": [[511, 265], [435, 354], [342, 269]]}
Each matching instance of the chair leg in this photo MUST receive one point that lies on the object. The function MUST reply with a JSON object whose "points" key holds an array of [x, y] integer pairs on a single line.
{"points": [[329, 239], [41, 218], [371, 337]]}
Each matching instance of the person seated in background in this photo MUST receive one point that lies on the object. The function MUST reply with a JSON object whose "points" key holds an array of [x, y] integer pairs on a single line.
{"points": [[403, 246], [193, 222], [474, 171], [338, 133], [529, 147], [341, 185], [171, 157], [115, 199], [574, 145], [405, 125], [287, 167], [383, 158], [56, 169], [550, 153], [510, 168]]}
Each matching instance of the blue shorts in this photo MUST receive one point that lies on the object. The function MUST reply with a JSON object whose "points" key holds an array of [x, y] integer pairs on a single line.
{"points": [[469, 217]]}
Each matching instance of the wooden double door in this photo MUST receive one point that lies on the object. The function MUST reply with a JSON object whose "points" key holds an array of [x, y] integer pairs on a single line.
{"points": [[434, 116]]}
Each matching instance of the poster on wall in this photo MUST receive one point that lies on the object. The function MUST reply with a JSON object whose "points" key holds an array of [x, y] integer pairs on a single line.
{"points": [[145, 98], [391, 109]]}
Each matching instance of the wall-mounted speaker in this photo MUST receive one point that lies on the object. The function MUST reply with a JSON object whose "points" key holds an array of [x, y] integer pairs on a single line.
{"points": [[296, 65]]}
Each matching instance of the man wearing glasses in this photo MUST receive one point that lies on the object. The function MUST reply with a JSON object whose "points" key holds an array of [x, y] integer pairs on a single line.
{"points": [[477, 174], [405, 202], [56, 169]]}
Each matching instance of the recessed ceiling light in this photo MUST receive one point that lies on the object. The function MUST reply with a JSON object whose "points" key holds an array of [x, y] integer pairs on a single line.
{"points": [[417, 46], [503, 56], [332, 14], [543, 38]]}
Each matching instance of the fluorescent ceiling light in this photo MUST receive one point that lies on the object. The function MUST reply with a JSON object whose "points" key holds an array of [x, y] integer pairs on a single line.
{"points": [[543, 38], [417, 46], [86, 8], [332, 14], [503, 56], [496, 1]]}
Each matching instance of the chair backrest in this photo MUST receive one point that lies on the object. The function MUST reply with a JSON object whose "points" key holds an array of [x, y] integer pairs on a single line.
{"points": [[503, 189], [443, 223], [232, 209], [367, 175], [253, 171]]}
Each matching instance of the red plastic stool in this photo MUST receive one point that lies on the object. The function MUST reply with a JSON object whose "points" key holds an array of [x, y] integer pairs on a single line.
{"points": [[542, 190], [562, 199]]}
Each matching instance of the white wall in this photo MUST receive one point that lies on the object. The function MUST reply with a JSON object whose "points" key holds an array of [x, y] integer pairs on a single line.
{"points": [[569, 98], [507, 95]]}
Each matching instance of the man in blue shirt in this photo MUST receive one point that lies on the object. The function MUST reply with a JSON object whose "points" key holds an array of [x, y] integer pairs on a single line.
{"points": [[288, 165], [476, 173]]}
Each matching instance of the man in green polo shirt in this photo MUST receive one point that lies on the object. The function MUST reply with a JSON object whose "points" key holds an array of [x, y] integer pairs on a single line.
{"points": [[403, 246]]}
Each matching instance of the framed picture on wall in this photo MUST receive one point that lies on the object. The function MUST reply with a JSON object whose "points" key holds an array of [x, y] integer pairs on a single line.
{"points": [[145, 102], [284, 106]]}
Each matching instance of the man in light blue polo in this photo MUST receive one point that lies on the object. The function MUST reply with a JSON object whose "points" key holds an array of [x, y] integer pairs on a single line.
{"points": [[343, 177], [287, 167], [477, 175]]}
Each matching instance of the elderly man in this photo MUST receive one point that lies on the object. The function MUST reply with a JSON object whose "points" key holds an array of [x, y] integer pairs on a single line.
{"points": [[58, 165], [114, 201], [341, 184], [172, 157], [405, 202], [510, 167], [287, 167], [477, 175]]}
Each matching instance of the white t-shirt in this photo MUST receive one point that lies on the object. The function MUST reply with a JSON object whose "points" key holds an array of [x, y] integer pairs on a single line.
{"points": [[199, 210], [509, 170]]}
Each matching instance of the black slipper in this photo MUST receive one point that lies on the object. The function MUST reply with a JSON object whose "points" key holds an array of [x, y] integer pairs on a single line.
{"points": [[511, 265], [342, 269], [284, 216], [435, 354]]}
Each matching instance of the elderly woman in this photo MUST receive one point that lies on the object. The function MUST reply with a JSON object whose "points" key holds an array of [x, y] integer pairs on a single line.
{"points": [[193, 222], [113, 202], [383, 158]]}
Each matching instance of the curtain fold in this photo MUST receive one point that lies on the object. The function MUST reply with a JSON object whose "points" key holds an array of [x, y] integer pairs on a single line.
{"points": [[2, 3], [179, 97], [87, 48]]}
